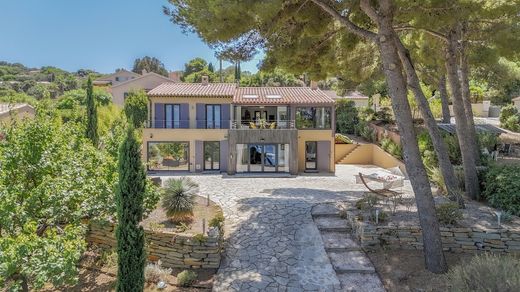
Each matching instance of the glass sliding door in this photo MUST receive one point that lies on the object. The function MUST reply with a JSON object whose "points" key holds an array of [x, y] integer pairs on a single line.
{"points": [[213, 119], [262, 158], [311, 155], [256, 153], [172, 115], [211, 155], [270, 158]]}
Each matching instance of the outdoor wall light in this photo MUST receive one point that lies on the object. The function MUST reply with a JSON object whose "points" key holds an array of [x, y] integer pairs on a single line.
{"points": [[151, 135]]}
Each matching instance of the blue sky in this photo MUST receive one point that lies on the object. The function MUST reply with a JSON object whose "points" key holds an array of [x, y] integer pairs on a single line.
{"points": [[96, 34]]}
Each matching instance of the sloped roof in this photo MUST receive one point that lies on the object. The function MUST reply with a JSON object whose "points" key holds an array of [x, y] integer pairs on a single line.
{"points": [[194, 89], [516, 98], [280, 95], [109, 76], [451, 128], [349, 95], [147, 75]]}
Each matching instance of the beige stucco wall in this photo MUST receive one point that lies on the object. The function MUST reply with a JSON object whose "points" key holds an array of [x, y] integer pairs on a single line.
{"points": [[192, 101], [18, 114], [182, 135], [477, 110], [360, 102], [340, 150], [147, 82], [314, 135], [369, 154]]}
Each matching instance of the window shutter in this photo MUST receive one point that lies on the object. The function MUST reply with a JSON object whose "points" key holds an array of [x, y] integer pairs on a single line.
{"points": [[159, 116], [184, 116], [201, 115]]}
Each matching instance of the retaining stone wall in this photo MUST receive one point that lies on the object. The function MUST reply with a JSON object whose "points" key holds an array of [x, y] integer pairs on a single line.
{"points": [[454, 239], [175, 250]]}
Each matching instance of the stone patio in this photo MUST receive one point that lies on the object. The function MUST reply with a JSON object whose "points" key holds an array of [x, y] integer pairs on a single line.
{"points": [[272, 242]]}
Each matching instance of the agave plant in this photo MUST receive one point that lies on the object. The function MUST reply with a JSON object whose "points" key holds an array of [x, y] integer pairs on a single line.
{"points": [[178, 198]]}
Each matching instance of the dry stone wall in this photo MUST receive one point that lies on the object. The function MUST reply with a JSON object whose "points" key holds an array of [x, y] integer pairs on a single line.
{"points": [[175, 250], [454, 239]]}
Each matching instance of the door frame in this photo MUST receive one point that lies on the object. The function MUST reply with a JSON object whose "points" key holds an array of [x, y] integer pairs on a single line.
{"points": [[316, 159], [204, 143]]}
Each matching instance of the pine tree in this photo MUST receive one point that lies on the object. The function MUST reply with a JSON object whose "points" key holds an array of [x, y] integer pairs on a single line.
{"points": [[129, 201], [92, 126]]}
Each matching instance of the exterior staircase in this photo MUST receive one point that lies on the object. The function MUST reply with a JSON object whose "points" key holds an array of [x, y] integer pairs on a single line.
{"points": [[353, 268], [350, 157]]}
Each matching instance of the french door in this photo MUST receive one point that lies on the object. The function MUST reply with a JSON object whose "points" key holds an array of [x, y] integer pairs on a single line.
{"points": [[211, 155]]}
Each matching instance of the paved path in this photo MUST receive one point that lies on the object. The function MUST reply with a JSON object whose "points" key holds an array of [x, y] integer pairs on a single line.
{"points": [[272, 242]]}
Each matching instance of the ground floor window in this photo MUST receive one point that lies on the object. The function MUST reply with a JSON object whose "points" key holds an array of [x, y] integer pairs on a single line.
{"points": [[168, 155], [262, 158], [211, 155]]}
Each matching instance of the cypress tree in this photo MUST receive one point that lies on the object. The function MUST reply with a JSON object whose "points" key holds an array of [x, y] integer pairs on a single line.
{"points": [[129, 201], [92, 132]]}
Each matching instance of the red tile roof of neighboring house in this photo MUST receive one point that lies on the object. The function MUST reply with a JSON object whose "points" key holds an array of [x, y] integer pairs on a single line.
{"points": [[280, 95], [194, 89]]}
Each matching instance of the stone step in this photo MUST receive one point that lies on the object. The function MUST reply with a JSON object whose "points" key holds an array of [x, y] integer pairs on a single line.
{"points": [[338, 241], [325, 210], [351, 262], [332, 224], [360, 282]]}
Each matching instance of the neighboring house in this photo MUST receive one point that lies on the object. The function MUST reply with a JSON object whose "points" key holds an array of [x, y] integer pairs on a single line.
{"points": [[119, 76], [147, 81], [201, 127], [16, 111], [516, 102], [358, 98]]}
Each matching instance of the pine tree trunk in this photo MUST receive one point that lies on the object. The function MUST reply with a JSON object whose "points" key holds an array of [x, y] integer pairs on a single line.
{"points": [[466, 97], [434, 256], [468, 157], [438, 143], [446, 116]]}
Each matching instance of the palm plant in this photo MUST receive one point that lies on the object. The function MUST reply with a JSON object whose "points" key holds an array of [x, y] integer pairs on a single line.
{"points": [[178, 198]]}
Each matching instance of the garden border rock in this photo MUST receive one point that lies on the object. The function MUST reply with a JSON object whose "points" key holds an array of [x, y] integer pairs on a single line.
{"points": [[454, 239], [175, 250]]}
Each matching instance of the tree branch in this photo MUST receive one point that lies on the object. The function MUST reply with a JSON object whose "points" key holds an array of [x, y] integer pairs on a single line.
{"points": [[368, 9], [361, 32], [429, 31]]}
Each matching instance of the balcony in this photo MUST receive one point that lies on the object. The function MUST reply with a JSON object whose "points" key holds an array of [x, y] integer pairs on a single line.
{"points": [[187, 124], [263, 125]]}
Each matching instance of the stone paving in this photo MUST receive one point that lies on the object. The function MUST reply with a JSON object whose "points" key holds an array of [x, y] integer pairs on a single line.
{"points": [[272, 243]]}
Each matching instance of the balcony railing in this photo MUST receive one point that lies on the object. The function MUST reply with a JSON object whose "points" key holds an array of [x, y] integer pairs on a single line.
{"points": [[263, 124], [185, 124], [237, 125]]}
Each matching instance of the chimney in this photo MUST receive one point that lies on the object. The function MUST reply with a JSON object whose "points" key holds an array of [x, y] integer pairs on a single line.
{"points": [[175, 76], [314, 85], [143, 72], [205, 80]]}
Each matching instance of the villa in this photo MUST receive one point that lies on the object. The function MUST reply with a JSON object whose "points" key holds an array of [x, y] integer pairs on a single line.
{"points": [[221, 127]]}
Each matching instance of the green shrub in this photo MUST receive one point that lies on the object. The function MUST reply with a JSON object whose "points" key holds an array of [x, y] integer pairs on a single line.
{"points": [[200, 238], [346, 116], [391, 147], [365, 131], [436, 177], [512, 123], [487, 140], [179, 198], [448, 213], [342, 139], [487, 272], [217, 221], [108, 258], [502, 188], [186, 278], [506, 112]]}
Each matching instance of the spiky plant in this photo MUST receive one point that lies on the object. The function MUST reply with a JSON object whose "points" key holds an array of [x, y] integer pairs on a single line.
{"points": [[179, 198]]}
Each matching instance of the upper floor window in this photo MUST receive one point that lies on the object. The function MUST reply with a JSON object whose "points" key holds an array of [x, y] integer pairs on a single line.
{"points": [[313, 117], [213, 119], [172, 115], [117, 78]]}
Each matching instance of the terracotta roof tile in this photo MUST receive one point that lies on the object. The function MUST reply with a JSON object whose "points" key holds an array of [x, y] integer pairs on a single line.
{"points": [[280, 95], [194, 89]]}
